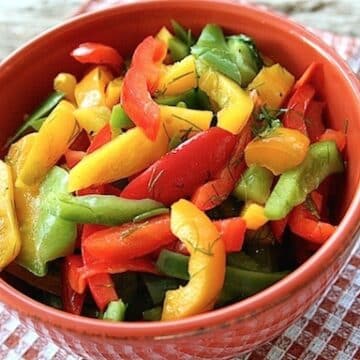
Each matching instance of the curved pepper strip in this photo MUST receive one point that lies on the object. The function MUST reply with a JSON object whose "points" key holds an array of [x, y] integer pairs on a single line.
{"points": [[9, 230], [52, 141], [235, 103], [96, 53], [322, 160], [313, 120], [71, 300], [140, 82], [214, 192], [304, 223], [101, 285], [206, 265], [180, 172], [282, 150], [126, 155]]}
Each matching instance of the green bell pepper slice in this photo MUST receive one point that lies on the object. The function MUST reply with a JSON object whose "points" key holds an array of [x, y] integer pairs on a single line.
{"points": [[322, 160], [115, 311], [254, 185], [53, 237]]}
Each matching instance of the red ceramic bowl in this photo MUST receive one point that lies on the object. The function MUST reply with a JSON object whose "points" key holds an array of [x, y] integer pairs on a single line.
{"points": [[26, 77]]}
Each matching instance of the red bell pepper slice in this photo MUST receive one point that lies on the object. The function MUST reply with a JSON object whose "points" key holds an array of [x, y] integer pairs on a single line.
{"points": [[101, 286], [140, 82], [81, 143], [338, 136], [95, 53], [313, 120], [308, 75], [294, 118], [180, 172], [72, 157], [214, 192], [72, 301], [305, 224], [130, 240], [98, 274], [100, 139], [232, 232]]}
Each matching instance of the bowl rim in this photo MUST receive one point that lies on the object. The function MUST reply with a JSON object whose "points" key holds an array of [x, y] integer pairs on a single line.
{"points": [[298, 279]]}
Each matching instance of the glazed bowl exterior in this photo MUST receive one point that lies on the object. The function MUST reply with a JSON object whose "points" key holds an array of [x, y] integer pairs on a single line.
{"points": [[26, 78]]}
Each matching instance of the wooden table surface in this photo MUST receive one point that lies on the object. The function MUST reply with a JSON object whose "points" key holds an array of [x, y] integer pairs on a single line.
{"points": [[20, 20]]}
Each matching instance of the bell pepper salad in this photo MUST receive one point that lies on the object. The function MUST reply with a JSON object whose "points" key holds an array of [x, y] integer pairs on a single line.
{"points": [[187, 177]]}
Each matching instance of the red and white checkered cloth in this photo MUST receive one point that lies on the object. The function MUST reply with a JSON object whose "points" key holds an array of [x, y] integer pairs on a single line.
{"points": [[329, 330]]}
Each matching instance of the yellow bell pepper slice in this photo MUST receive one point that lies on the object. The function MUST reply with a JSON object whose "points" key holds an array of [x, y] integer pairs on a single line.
{"points": [[125, 155], [179, 77], [254, 216], [54, 138], [26, 199], [235, 103], [113, 92], [164, 35], [9, 230], [90, 91], [281, 151], [273, 84], [66, 83], [206, 264], [180, 121], [92, 119]]}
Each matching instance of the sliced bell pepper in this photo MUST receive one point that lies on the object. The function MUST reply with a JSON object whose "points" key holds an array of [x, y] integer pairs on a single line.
{"points": [[178, 78], [254, 216], [206, 265], [71, 300], [308, 75], [313, 120], [254, 185], [143, 76], [100, 139], [214, 192], [232, 231], [9, 230], [96, 53], [73, 157], [333, 135], [65, 83], [164, 35], [180, 172], [308, 226], [113, 92], [294, 117], [81, 143], [101, 285], [92, 119], [126, 155], [280, 151], [52, 141], [178, 121], [115, 311], [90, 91], [130, 240], [26, 198], [322, 160], [235, 103], [49, 237], [273, 85]]}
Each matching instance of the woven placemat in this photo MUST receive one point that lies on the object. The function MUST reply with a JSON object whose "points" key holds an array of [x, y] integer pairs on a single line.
{"points": [[329, 330]]}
